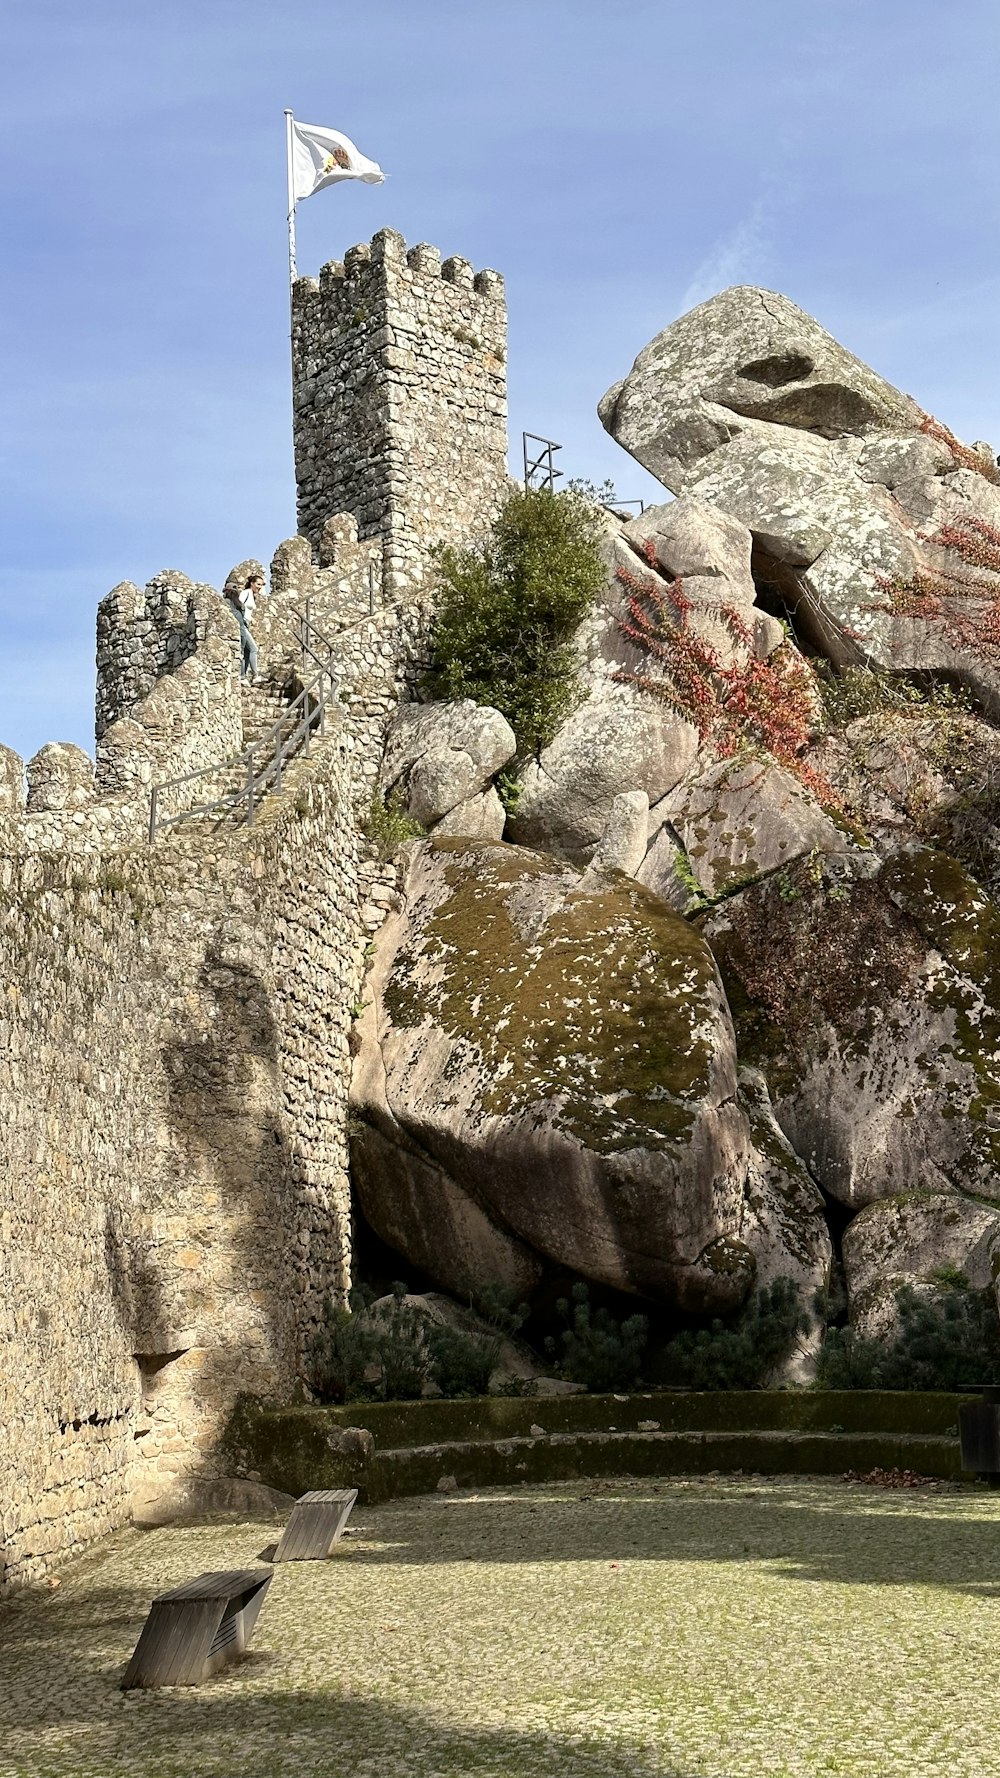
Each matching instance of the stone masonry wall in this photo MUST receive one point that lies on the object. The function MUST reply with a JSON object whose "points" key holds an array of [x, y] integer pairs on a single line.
{"points": [[143, 634], [399, 388], [174, 1045], [175, 1018], [174, 1202]]}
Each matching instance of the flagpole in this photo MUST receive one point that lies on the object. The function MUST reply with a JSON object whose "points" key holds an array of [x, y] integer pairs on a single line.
{"points": [[292, 274]]}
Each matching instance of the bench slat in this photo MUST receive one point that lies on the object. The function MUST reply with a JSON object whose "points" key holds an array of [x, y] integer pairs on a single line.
{"points": [[316, 1523], [197, 1628]]}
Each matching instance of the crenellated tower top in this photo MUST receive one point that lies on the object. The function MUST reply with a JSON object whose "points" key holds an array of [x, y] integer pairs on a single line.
{"points": [[399, 364]]}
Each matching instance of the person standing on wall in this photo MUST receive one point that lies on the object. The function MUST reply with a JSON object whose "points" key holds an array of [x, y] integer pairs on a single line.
{"points": [[243, 599]]}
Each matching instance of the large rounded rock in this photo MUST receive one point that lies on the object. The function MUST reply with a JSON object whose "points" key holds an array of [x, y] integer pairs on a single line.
{"points": [[915, 1239], [745, 357], [551, 1072], [868, 992], [441, 756], [847, 486]]}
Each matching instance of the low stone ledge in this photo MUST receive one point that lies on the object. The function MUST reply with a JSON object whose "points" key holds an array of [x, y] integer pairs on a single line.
{"points": [[502, 1440]]}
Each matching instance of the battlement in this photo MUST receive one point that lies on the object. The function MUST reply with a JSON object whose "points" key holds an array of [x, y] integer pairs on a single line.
{"points": [[370, 265], [400, 399]]}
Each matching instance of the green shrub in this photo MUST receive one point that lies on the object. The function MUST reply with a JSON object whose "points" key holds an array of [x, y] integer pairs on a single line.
{"points": [[508, 610], [387, 824], [462, 1363], [597, 1349], [948, 1341], [361, 1355], [403, 1348], [741, 1354], [499, 1305], [344, 1352]]}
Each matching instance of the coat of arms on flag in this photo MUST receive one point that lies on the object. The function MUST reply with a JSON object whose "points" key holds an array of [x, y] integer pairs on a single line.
{"points": [[322, 157]]}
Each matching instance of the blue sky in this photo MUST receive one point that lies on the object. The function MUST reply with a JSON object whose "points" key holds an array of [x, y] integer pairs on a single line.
{"points": [[616, 162]]}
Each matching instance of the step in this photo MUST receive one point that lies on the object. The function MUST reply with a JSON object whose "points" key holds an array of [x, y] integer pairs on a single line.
{"points": [[560, 1457], [297, 1449]]}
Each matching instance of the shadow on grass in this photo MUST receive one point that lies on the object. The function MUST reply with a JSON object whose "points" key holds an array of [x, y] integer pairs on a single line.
{"points": [[62, 1715], [861, 1537]]}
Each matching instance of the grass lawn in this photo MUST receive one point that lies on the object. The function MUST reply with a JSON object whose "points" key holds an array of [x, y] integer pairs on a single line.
{"points": [[714, 1628]]}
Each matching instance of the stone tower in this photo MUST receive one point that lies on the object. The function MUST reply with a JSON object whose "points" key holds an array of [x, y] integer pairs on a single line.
{"points": [[399, 367]]}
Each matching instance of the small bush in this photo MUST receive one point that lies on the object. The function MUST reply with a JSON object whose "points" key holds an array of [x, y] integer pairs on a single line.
{"points": [[387, 825], [947, 1342], [498, 1305], [359, 1355], [741, 1354], [597, 1349], [403, 1348], [462, 1363], [508, 611], [344, 1352]]}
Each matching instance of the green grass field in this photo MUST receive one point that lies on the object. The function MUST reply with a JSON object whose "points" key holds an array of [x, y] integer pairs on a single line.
{"points": [[718, 1628]]}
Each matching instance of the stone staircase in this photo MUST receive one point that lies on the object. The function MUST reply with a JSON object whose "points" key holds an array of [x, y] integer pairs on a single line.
{"points": [[265, 704], [281, 712]]}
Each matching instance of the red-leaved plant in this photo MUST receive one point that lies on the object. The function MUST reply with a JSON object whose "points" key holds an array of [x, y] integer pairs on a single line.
{"points": [[964, 604], [766, 704]]}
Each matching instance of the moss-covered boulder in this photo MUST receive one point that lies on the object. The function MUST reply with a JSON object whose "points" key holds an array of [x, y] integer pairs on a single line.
{"points": [[548, 1071], [868, 992], [920, 1239]]}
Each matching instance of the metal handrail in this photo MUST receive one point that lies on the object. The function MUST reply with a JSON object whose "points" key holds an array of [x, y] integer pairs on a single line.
{"points": [[543, 462], [287, 740]]}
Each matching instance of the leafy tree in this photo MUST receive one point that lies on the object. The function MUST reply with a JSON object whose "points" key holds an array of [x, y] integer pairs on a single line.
{"points": [[509, 608]]}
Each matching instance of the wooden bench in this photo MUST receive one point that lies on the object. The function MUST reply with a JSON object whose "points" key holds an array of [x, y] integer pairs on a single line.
{"points": [[316, 1524], [194, 1630]]}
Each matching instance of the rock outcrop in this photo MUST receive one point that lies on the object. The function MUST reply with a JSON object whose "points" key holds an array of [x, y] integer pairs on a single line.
{"points": [[441, 758], [549, 1074], [918, 1239], [622, 738], [784, 1223], [868, 991], [863, 508]]}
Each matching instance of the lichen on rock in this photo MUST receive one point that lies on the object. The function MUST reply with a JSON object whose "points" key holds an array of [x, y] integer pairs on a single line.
{"points": [[567, 1059]]}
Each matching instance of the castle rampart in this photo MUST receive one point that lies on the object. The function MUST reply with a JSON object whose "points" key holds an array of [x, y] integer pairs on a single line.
{"points": [[173, 1160], [174, 1030], [175, 1017], [400, 396]]}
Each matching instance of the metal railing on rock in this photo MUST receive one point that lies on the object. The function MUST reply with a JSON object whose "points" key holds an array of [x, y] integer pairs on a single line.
{"points": [[260, 768]]}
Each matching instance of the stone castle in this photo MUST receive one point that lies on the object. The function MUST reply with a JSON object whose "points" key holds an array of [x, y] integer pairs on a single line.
{"points": [[178, 992]]}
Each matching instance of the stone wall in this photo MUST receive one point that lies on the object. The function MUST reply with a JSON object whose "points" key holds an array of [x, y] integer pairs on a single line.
{"points": [[174, 1045], [399, 375], [175, 1018], [142, 635], [174, 1202]]}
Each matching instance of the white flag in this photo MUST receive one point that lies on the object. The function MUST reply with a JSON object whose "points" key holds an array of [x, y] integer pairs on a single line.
{"points": [[325, 157]]}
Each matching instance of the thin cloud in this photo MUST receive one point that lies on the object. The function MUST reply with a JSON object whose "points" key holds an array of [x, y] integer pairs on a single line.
{"points": [[736, 258]]}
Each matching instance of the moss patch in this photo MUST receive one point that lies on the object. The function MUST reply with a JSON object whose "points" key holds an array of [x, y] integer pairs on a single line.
{"points": [[605, 1007]]}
